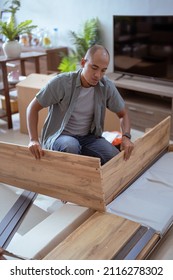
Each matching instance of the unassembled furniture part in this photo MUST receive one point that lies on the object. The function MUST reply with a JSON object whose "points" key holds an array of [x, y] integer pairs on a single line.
{"points": [[83, 181]]}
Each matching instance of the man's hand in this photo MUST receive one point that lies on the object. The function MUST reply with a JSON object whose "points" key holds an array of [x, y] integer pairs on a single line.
{"points": [[35, 149], [127, 146], [1, 254]]}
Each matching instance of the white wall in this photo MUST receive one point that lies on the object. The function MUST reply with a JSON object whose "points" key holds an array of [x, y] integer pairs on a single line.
{"points": [[70, 14]]}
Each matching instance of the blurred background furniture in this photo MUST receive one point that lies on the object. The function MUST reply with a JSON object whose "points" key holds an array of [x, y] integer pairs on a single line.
{"points": [[33, 60], [34, 56], [54, 56], [148, 100]]}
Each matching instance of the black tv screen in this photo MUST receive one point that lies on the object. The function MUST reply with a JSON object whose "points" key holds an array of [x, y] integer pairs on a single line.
{"points": [[143, 45]]}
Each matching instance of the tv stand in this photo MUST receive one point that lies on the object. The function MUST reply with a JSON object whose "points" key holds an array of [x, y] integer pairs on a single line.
{"points": [[148, 100]]}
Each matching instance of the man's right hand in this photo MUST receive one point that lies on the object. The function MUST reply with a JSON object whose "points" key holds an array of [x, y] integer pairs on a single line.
{"points": [[35, 149]]}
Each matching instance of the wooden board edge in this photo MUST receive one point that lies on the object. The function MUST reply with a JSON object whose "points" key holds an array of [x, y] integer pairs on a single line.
{"points": [[86, 160], [149, 247]]}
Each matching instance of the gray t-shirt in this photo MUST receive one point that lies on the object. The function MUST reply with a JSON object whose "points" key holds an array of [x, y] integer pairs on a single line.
{"points": [[82, 116], [61, 94]]}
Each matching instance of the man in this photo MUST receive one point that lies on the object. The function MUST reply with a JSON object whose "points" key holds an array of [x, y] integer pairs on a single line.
{"points": [[77, 102]]}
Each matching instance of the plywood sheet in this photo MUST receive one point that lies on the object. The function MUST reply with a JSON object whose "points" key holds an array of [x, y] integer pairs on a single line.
{"points": [[76, 178], [98, 238], [118, 173], [65, 176]]}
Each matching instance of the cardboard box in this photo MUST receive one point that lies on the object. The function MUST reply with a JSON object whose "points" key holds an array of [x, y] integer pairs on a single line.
{"points": [[29, 87], [13, 104], [112, 122], [26, 91]]}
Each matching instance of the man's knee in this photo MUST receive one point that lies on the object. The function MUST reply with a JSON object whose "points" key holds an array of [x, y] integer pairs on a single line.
{"points": [[72, 147], [67, 144]]}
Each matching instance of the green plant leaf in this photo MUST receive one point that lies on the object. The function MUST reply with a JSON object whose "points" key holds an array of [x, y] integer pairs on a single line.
{"points": [[68, 64], [10, 29], [88, 36]]}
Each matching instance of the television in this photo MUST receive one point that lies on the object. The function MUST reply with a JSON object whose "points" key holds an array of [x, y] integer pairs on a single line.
{"points": [[143, 45]]}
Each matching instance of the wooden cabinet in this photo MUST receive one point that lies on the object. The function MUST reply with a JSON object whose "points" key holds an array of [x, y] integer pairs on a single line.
{"points": [[146, 111], [149, 101]]}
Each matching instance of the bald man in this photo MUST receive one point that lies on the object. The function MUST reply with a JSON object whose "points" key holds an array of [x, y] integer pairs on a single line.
{"points": [[77, 103]]}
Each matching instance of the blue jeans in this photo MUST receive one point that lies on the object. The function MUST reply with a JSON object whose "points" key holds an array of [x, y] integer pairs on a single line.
{"points": [[88, 145]]}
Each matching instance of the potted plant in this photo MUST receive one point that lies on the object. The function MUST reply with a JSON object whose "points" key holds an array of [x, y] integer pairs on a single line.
{"points": [[11, 30], [89, 36]]}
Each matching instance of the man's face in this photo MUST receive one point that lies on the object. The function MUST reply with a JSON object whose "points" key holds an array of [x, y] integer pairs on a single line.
{"points": [[94, 68]]}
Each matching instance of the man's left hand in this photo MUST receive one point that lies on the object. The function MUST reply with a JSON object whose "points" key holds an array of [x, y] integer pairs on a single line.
{"points": [[127, 146]]}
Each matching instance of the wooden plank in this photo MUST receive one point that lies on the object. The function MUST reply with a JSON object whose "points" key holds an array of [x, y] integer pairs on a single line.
{"points": [[164, 249], [98, 238], [149, 247], [117, 173], [65, 176]]}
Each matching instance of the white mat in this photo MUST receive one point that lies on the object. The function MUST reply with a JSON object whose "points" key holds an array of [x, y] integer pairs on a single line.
{"points": [[149, 200]]}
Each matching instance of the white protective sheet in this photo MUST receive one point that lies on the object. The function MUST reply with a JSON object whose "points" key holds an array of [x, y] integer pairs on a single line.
{"points": [[149, 200], [45, 225]]}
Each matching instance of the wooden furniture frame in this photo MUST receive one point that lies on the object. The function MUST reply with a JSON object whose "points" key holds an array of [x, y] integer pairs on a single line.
{"points": [[84, 181]]}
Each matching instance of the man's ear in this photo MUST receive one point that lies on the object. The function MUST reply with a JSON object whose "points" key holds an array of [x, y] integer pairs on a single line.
{"points": [[83, 61]]}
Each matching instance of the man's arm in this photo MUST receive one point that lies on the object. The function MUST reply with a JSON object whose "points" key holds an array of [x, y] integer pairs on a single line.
{"points": [[32, 123], [126, 145]]}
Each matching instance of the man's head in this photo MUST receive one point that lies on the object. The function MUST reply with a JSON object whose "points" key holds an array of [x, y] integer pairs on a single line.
{"points": [[94, 65]]}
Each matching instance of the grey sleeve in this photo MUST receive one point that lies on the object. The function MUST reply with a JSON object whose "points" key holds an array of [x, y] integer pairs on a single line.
{"points": [[52, 93], [115, 102]]}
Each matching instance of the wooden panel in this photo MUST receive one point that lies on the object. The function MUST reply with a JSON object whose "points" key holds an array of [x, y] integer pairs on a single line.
{"points": [[99, 238], [117, 173], [65, 176], [164, 249], [146, 115], [149, 247]]}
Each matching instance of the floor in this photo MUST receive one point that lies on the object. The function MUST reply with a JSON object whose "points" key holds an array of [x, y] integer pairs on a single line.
{"points": [[13, 135]]}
